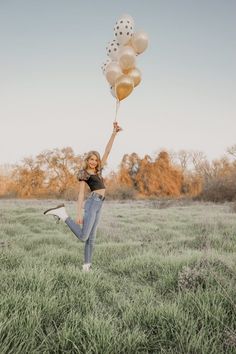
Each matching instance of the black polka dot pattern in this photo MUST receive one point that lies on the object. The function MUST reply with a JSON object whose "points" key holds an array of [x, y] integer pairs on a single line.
{"points": [[104, 65], [123, 30], [112, 49]]}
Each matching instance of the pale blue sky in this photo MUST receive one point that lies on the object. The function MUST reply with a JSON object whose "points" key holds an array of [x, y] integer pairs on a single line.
{"points": [[53, 93]]}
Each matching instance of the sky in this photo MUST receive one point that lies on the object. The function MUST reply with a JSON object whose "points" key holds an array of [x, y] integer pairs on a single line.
{"points": [[53, 93]]}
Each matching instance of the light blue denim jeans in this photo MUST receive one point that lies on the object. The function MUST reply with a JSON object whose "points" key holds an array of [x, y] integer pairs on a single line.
{"points": [[87, 233]]}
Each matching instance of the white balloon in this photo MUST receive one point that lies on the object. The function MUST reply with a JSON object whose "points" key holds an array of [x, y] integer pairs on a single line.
{"points": [[112, 49], [112, 91], [128, 18], [104, 65], [113, 71], [139, 42], [127, 58], [123, 31]]}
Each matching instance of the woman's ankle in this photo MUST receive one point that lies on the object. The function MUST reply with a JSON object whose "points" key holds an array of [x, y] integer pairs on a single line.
{"points": [[86, 267]]}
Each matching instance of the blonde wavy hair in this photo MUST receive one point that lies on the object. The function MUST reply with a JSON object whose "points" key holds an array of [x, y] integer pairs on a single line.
{"points": [[87, 157]]}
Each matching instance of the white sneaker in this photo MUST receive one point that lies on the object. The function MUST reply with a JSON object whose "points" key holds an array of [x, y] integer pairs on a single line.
{"points": [[59, 212], [87, 267]]}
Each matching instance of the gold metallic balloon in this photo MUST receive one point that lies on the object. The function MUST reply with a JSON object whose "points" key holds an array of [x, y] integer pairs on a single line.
{"points": [[136, 75], [126, 71], [123, 87]]}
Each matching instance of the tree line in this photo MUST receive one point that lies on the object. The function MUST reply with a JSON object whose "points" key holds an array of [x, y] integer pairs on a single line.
{"points": [[53, 174]]}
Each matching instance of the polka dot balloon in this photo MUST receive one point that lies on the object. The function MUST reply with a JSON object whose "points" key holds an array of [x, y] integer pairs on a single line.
{"points": [[123, 30], [128, 17], [104, 65], [112, 49], [112, 91]]}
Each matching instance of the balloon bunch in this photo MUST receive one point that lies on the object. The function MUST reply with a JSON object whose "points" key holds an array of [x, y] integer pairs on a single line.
{"points": [[120, 68]]}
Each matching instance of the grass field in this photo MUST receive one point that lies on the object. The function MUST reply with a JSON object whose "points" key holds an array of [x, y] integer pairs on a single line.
{"points": [[163, 280]]}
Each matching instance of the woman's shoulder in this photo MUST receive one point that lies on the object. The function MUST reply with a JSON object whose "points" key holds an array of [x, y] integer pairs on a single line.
{"points": [[83, 175]]}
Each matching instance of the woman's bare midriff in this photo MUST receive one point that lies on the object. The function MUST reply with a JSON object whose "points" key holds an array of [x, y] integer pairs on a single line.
{"points": [[100, 191]]}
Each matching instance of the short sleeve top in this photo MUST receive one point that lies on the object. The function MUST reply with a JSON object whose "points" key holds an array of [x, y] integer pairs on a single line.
{"points": [[94, 181]]}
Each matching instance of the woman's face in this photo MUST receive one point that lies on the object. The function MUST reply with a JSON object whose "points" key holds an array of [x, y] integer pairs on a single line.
{"points": [[93, 162]]}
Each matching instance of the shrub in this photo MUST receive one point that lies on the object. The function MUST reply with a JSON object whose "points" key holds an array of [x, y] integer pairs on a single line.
{"points": [[233, 207], [219, 189], [70, 193], [121, 192]]}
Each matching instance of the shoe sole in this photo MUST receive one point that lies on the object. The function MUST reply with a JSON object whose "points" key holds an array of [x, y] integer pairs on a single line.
{"points": [[57, 207]]}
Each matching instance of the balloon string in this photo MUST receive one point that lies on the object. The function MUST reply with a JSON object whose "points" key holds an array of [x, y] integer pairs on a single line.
{"points": [[117, 108]]}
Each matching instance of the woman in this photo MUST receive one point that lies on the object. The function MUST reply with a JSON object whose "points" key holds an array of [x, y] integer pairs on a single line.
{"points": [[85, 227]]}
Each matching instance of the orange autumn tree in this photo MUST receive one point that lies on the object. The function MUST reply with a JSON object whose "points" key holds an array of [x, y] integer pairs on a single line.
{"points": [[159, 177], [128, 170], [148, 177], [60, 166], [6, 186], [220, 181], [192, 164], [51, 173], [6, 181], [29, 178]]}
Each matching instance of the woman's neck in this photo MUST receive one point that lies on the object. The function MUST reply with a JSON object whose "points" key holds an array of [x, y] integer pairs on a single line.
{"points": [[91, 171]]}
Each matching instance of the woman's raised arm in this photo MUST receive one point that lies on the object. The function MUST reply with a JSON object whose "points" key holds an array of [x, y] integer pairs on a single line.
{"points": [[116, 129]]}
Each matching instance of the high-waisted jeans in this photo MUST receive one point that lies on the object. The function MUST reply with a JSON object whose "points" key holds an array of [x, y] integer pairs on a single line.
{"points": [[87, 233]]}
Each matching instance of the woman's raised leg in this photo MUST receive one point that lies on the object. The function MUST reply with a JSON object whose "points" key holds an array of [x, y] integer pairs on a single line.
{"points": [[90, 213]]}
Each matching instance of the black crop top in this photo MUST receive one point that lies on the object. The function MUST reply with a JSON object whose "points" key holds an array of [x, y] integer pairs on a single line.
{"points": [[94, 181]]}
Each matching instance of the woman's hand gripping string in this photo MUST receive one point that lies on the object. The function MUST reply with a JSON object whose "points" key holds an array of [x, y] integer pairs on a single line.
{"points": [[116, 127]]}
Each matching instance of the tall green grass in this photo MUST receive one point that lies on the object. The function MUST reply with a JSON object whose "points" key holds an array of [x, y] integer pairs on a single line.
{"points": [[163, 281]]}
